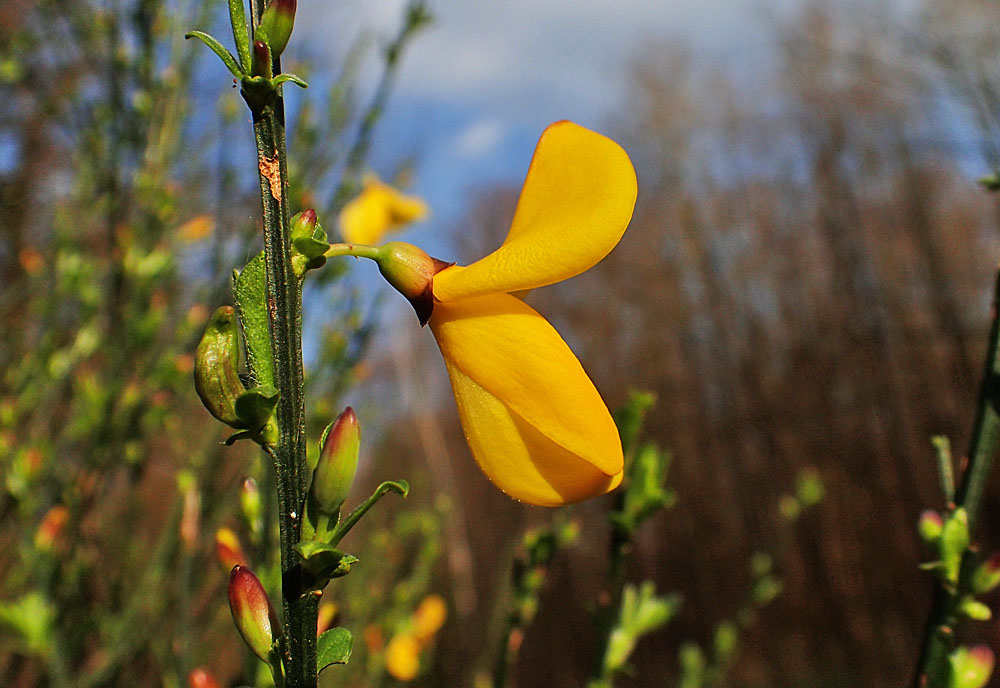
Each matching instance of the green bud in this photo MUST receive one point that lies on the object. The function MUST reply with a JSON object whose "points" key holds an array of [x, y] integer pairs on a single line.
{"points": [[276, 25], [337, 464], [970, 667], [250, 505], [987, 575], [975, 610], [411, 272], [929, 526], [954, 541], [215, 367], [303, 224], [253, 614]]}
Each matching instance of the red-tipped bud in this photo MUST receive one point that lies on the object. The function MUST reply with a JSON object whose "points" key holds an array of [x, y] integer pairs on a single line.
{"points": [[304, 224], [228, 549], [971, 667], [987, 575], [338, 462], [411, 272], [201, 678], [929, 526], [253, 614], [276, 25], [261, 60], [51, 527]]}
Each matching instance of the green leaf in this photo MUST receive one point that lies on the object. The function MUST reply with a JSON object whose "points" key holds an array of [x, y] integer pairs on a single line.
{"points": [[310, 248], [400, 487], [256, 406], [220, 50], [285, 76], [333, 647], [238, 18], [250, 289], [323, 560]]}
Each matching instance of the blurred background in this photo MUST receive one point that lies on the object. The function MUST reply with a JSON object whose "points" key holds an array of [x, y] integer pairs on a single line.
{"points": [[806, 283]]}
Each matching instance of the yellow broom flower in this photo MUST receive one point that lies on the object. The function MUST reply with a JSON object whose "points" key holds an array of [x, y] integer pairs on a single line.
{"points": [[378, 210], [533, 419]]}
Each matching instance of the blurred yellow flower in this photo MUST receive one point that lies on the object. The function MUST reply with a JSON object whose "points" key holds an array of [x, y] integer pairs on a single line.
{"points": [[429, 617], [197, 228], [402, 657], [378, 210], [532, 417]]}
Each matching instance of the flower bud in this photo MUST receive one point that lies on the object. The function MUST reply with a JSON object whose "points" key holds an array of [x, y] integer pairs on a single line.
{"points": [[337, 464], [250, 504], [987, 575], [970, 667], [253, 614], [215, 367], [261, 60], [201, 678], [954, 541], [411, 272], [975, 610], [929, 526], [228, 549], [276, 25], [304, 223]]}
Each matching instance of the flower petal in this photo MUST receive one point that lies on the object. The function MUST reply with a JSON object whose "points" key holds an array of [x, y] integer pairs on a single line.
{"points": [[517, 458], [576, 202], [510, 351]]}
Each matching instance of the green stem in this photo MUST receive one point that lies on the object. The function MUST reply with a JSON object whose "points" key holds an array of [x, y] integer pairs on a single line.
{"points": [[939, 633], [284, 297]]}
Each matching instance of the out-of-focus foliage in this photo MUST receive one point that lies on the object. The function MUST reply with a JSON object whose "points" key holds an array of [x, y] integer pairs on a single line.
{"points": [[120, 211]]}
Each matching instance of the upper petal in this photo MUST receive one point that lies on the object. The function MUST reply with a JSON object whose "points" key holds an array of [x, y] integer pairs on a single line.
{"points": [[516, 457], [574, 207], [511, 352]]}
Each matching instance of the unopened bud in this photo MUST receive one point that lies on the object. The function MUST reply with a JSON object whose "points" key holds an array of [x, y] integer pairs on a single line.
{"points": [[954, 541], [987, 575], [253, 614], [228, 549], [929, 526], [216, 364], [337, 464], [250, 504], [261, 60], [411, 272], [201, 678], [304, 223], [276, 25], [970, 667]]}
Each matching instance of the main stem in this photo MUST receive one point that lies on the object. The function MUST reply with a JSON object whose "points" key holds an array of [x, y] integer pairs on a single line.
{"points": [[939, 634], [284, 301]]}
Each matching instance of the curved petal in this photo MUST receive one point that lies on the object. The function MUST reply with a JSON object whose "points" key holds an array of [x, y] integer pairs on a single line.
{"points": [[574, 207], [510, 351], [517, 458]]}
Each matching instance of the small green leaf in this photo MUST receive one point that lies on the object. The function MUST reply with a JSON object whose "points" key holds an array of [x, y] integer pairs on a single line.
{"points": [[323, 560], [400, 487], [310, 248], [220, 50], [250, 289], [333, 647], [238, 18], [256, 406], [285, 76]]}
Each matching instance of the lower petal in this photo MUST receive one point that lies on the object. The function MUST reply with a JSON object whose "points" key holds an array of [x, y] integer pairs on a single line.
{"points": [[516, 457]]}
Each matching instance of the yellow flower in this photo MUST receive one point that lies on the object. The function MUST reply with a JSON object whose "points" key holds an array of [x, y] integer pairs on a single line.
{"points": [[402, 657], [429, 617], [378, 210], [533, 419]]}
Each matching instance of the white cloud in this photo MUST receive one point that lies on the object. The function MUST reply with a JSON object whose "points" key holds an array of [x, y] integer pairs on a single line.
{"points": [[479, 138]]}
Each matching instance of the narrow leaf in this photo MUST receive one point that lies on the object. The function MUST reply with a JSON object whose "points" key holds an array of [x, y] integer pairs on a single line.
{"points": [[400, 487], [218, 49], [333, 647], [238, 18], [250, 289], [946, 472], [285, 76]]}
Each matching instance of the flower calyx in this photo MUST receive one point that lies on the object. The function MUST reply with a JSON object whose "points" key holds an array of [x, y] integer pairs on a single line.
{"points": [[411, 272]]}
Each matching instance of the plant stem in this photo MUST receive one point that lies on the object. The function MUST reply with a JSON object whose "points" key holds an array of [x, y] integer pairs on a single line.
{"points": [[939, 634], [284, 296]]}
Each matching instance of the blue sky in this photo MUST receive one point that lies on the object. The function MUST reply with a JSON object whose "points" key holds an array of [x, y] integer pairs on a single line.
{"points": [[480, 84]]}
